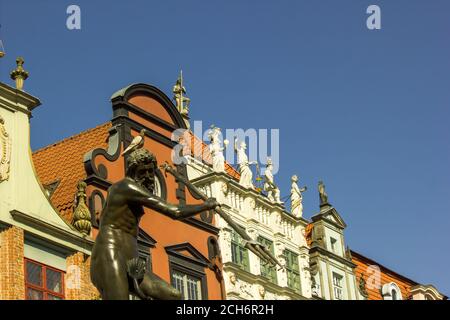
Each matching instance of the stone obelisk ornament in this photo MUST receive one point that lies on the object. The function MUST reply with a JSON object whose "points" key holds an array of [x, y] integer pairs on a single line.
{"points": [[116, 269]]}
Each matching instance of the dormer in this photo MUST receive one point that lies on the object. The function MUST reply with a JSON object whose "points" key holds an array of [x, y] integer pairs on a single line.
{"points": [[328, 231]]}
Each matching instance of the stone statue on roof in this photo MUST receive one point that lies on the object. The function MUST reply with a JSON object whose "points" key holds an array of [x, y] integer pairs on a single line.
{"points": [[322, 194], [216, 149], [296, 198], [273, 193], [182, 102], [246, 179]]}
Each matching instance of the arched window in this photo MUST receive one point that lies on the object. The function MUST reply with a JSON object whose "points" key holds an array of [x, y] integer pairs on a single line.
{"points": [[391, 291], [394, 294]]}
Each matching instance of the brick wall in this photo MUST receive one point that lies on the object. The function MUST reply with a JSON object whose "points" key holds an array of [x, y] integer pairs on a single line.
{"points": [[78, 281], [12, 278]]}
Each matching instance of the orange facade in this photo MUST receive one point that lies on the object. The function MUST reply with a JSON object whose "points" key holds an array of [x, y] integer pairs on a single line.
{"points": [[174, 248]]}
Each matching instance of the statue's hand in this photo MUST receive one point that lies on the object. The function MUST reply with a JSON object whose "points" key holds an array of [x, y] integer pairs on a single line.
{"points": [[211, 203]]}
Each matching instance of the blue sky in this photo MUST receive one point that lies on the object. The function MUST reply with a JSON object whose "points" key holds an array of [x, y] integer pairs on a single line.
{"points": [[366, 111]]}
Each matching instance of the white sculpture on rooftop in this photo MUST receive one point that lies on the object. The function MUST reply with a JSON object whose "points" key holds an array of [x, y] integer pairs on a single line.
{"points": [[216, 150], [273, 193], [296, 198], [246, 179], [5, 151]]}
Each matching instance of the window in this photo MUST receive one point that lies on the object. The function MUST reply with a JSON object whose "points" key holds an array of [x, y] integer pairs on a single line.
{"points": [[333, 244], [391, 291], [187, 271], [293, 270], [394, 294], [43, 282], [239, 254], [337, 286], [268, 271], [189, 286]]}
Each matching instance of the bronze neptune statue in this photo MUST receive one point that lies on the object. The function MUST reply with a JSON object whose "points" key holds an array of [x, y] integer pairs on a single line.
{"points": [[116, 270]]}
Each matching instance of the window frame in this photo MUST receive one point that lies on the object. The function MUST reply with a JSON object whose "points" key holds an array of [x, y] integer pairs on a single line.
{"points": [[193, 266], [236, 244], [270, 272], [290, 269], [338, 288], [333, 244], [45, 291], [185, 276]]}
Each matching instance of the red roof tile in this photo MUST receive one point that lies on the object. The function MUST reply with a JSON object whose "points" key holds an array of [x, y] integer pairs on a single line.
{"points": [[63, 162]]}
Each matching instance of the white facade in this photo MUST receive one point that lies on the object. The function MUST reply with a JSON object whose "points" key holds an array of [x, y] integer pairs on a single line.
{"points": [[23, 201], [331, 266], [261, 219]]}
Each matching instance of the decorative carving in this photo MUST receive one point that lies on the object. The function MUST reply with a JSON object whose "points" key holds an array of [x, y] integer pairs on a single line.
{"points": [[296, 198], [262, 292], [273, 193], [252, 203], [82, 216], [279, 249], [5, 151], [253, 233], [233, 283], [362, 286], [246, 290], [216, 150], [225, 240], [224, 188], [315, 287], [318, 236], [246, 179]]}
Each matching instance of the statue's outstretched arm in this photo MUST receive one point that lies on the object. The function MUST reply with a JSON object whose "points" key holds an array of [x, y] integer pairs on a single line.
{"points": [[143, 197]]}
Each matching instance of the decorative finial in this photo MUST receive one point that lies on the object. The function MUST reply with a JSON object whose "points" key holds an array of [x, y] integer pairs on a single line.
{"points": [[82, 216], [181, 101], [19, 74]]}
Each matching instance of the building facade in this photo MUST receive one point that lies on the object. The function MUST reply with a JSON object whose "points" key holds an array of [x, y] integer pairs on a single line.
{"points": [[41, 255], [246, 276], [184, 253], [51, 204]]}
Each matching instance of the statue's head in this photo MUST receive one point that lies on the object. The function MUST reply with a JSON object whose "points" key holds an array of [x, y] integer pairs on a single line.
{"points": [[214, 133], [269, 163], [243, 145], [142, 166], [294, 178]]}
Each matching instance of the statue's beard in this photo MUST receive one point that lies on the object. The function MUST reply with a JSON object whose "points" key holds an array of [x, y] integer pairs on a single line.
{"points": [[147, 183]]}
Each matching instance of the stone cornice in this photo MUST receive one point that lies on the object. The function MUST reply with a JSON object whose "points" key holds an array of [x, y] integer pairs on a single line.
{"points": [[80, 242], [331, 255], [16, 100], [257, 279]]}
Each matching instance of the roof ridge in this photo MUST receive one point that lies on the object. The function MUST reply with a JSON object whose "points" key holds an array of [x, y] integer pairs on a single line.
{"points": [[71, 137]]}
